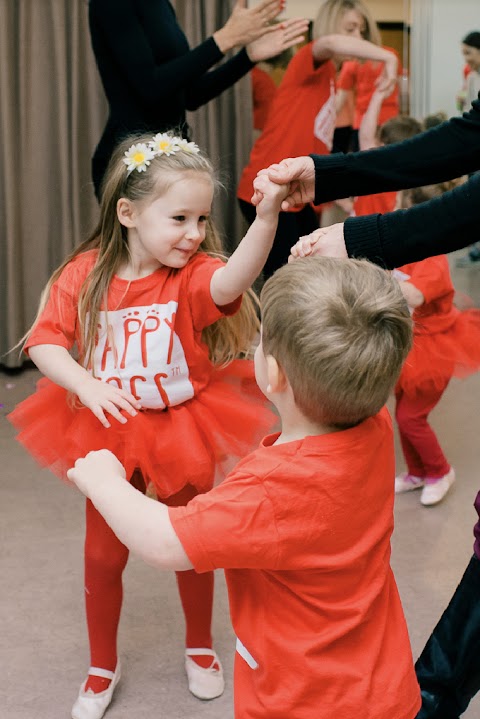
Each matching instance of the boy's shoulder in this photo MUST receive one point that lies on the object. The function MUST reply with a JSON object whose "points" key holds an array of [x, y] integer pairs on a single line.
{"points": [[316, 452]]}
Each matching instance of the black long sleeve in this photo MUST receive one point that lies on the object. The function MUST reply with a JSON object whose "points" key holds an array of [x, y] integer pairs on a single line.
{"points": [[149, 73], [143, 56], [441, 225]]}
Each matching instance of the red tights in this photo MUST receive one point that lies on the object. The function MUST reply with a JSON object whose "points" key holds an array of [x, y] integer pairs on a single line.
{"points": [[105, 560], [422, 451]]}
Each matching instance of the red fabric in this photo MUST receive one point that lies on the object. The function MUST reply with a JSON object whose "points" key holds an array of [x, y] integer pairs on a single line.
{"points": [[373, 204], [303, 530], [421, 449], [361, 77], [197, 418], [263, 92], [301, 119], [446, 341]]}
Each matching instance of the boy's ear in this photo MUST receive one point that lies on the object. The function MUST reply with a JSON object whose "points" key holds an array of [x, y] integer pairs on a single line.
{"points": [[277, 379], [125, 212]]}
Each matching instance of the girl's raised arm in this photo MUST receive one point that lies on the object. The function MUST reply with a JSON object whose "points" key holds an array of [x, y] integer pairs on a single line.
{"points": [[246, 263]]}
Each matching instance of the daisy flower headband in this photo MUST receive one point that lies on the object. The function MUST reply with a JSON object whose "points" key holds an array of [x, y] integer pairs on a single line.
{"points": [[139, 156]]}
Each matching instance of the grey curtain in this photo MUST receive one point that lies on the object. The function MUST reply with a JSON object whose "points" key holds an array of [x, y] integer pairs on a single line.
{"points": [[52, 111]]}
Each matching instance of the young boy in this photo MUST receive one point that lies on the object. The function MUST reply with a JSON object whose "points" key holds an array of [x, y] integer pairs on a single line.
{"points": [[302, 526]]}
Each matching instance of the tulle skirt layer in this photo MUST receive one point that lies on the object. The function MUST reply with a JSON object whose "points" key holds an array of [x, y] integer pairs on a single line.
{"points": [[192, 443], [436, 358]]}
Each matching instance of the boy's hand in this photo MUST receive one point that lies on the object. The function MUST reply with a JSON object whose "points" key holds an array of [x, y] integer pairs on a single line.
{"points": [[269, 196], [101, 397], [95, 468], [324, 242]]}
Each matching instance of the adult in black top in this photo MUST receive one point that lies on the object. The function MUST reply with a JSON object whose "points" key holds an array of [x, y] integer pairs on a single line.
{"points": [[448, 669], [151, 76], [439, 226]]}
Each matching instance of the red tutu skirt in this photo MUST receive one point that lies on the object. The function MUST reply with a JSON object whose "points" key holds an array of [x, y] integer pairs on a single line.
{"points": [[436, 358], [191, 443]]}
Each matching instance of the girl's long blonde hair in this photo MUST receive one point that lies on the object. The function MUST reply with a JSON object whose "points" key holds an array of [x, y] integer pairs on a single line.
{"points": [[227, 338], [330, 14]]}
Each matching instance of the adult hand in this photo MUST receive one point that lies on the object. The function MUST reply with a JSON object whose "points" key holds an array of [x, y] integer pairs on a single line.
{"points": [[95, 468], [247, 24], [101, 397], [324, 242], [284, 36], [296, 172]]}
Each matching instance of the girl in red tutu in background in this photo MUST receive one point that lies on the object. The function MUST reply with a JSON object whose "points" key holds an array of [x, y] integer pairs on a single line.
{"points": [[446, 344], [157, 318]]}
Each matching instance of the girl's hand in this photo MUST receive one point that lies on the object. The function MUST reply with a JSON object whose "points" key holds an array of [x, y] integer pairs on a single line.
{"points": [[96, 467], [285, 35], [101, 397], [324, 242], [248, 24], [269, 196]]}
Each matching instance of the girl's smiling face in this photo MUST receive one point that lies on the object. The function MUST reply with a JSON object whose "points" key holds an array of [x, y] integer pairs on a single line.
{"points": [[168, 230]]}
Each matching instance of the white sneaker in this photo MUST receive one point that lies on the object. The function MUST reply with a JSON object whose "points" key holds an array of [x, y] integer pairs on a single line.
{"points": [[93, 706], [204, 683], [434, 492], [405, 482]]}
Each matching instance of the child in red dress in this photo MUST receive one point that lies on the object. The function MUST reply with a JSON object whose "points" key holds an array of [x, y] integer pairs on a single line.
{"points": [[303, 525], [446, 344], [149, 303]]}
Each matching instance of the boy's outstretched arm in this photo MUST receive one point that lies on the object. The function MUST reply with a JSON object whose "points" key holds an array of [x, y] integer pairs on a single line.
{"points": [[142, 524]]}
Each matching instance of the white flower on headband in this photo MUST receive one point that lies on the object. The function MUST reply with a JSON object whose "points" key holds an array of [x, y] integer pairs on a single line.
{"points": [[165, 144], [138, 157], [187, 146]]}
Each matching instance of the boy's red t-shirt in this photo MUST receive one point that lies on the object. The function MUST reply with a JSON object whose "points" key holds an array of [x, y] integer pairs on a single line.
{"points": [[361, 77], [263, 92], [303, 532], [301, 118]]}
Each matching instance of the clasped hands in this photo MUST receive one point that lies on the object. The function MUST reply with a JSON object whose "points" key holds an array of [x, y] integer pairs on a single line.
{"points": [[297, 174]]}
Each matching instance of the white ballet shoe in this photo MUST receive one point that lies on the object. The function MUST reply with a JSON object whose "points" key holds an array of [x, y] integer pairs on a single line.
{"points": [[204, 683], [93, 706]]}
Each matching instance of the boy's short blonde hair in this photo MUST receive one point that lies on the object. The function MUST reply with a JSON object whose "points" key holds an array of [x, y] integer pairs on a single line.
{"points": [[341, 330]]}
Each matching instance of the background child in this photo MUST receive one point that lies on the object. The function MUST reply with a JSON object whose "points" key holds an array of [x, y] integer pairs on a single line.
{"points": [[145, 300], [446, 344], [303, 524]]}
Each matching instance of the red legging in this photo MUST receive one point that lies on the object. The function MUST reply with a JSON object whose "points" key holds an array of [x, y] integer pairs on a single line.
{"points": [[423, 454], [105, 560]]}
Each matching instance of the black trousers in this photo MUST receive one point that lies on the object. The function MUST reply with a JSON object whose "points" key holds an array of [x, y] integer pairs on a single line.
{"points": [[448, 669]]}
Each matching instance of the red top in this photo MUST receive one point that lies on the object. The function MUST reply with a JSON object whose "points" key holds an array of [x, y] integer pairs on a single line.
{"points": [[263, 92], [360, 77], [432, 278], [303, 530], [301, 119], [373, 204], [152, 346]]}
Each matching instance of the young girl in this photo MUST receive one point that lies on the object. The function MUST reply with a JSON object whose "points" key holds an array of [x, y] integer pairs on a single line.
{"points": [[149, 303], [446, 344], [302, 116]]}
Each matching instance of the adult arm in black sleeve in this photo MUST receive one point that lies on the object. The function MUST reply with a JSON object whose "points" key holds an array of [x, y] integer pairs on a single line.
{"points": [[438, 226], [442, 153], [154, 79]]}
